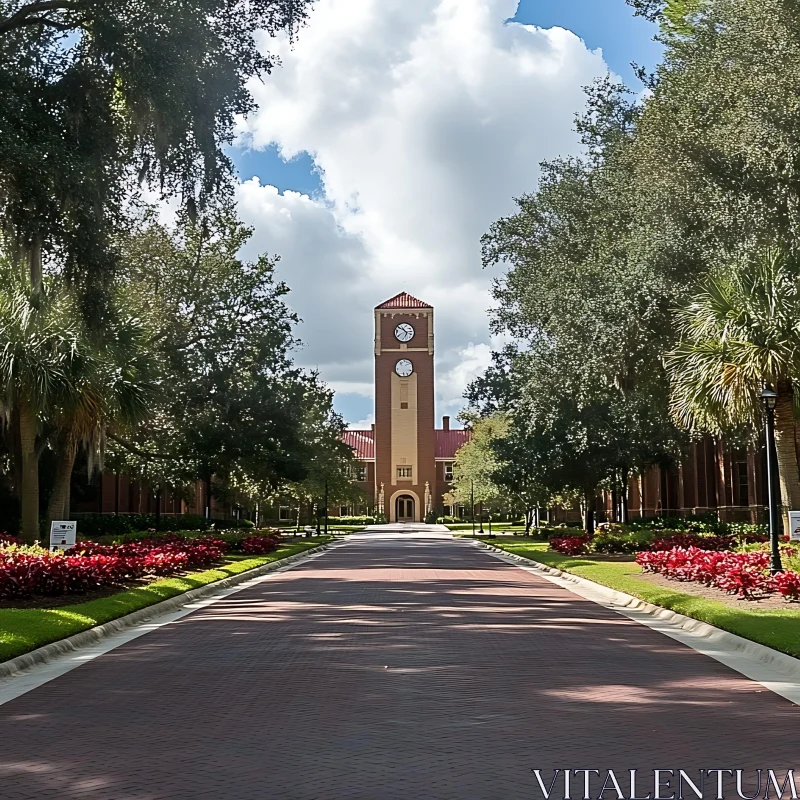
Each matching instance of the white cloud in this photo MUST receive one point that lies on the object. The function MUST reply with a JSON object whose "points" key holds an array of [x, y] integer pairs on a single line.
{"points": [[364, 424], [469, 363], [425, 119]]}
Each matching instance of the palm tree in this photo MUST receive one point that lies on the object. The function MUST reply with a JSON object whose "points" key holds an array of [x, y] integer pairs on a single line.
{"points": [[741, 332], [39, 343], [111, 386]]}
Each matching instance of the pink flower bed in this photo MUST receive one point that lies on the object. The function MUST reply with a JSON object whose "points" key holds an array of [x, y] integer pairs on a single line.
{"points": [[686, 540], [744, 574], [570, 545], [90, 566], [258, 545]]}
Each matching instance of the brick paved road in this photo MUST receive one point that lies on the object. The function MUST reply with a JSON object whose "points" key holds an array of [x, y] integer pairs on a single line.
{"points": [[414, 670]]}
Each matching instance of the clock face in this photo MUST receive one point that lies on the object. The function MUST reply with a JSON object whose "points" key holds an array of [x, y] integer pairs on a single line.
{"points": [[404, 332], [404, 368]]}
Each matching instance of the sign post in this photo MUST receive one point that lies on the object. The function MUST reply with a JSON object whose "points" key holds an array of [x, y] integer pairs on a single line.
{"points": [[62, 534], [794, 526]]}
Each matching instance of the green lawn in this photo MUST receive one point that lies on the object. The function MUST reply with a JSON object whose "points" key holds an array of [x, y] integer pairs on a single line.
{"points": [[505, 527], [25, 629], [779, 629]]}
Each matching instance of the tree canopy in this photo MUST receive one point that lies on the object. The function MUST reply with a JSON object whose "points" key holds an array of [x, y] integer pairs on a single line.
{"points": [[643, 252], [96, 95]]}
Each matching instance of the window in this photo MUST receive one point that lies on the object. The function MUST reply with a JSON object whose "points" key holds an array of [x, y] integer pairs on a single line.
{"points": [[448, 471], [743, 483], [448, 511], [344, 511], [404, 472], [357, 472], [284, 513], [403, 394]]}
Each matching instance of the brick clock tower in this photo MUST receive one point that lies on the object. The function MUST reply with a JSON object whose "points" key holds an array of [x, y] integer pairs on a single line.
{"points": [[405, 437]]}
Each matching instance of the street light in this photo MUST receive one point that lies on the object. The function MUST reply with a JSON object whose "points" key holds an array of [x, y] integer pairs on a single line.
{"points": [[326, 506], [769, 399], [472, 505]]}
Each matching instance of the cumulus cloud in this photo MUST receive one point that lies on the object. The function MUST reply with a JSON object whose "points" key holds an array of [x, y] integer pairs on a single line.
{"points": [[425, 120], [363, 424]]}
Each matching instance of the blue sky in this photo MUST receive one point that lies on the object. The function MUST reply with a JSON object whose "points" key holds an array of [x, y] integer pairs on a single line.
{"points": [[606, 24], [337, 255]]}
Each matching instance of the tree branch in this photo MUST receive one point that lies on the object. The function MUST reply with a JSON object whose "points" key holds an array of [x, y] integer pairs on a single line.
{"points": [[30, 13], [138, 452]]}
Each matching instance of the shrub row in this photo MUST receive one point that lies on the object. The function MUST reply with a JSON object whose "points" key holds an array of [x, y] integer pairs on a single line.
{"points": [[743, 574], [26, 571], [90, 526], [614, 540]]}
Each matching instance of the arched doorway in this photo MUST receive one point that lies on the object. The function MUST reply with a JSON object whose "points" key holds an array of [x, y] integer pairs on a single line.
{"points": [[404, 508]]}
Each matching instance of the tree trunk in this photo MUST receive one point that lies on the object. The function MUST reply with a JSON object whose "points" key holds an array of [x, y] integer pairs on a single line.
{"points": [[29, 495], [58, 507], [614, 501], [35, 264], [786, 454], [588, 520], [158, 506], [625, 517]]}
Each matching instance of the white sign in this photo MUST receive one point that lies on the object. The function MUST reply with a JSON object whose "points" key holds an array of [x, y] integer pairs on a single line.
{"points": [[794, 526], [62, 534]]}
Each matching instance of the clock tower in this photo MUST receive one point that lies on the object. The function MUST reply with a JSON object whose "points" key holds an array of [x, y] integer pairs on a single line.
{"points": [[405, 439]]}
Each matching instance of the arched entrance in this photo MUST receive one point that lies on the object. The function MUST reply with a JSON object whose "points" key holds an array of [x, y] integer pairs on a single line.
{"points": [[404, 508]]}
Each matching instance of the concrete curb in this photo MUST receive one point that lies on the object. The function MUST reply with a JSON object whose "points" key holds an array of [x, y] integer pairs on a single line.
{"points": [[42, 655], [716, 638]]}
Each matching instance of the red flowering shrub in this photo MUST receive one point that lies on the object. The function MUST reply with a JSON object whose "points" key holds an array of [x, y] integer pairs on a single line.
{"points": [[738, 573], [90, 565], [570, 545], [6, 539], [686, 540], [258, 545], [786, 583]]}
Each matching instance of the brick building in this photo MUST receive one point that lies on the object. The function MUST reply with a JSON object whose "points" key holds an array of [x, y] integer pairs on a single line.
{"points": [[404, 463]]}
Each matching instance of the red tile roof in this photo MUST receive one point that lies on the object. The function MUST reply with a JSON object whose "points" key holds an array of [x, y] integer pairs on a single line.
{"points": [[447, 442], [362, 442], [403, 300]]}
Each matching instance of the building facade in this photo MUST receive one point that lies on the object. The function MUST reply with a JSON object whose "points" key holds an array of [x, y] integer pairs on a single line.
{"points": [[712, 477], [404, 462]]}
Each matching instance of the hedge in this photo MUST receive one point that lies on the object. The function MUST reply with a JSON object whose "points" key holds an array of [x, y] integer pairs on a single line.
{"points": [[90, 526]]}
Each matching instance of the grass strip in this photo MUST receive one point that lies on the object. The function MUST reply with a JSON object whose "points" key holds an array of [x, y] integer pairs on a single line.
{"points": [[776, 628], [25, 629]]}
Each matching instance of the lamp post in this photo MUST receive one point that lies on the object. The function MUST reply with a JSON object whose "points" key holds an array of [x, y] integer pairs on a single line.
{"points": [[472, 505], [326, 506], [769, 398]]}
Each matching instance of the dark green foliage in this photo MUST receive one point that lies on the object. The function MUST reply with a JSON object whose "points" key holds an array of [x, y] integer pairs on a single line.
{"points": [[97, 94], [584, 383], [90, 526], [350, 520], [132, 526], [232, 404]]}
